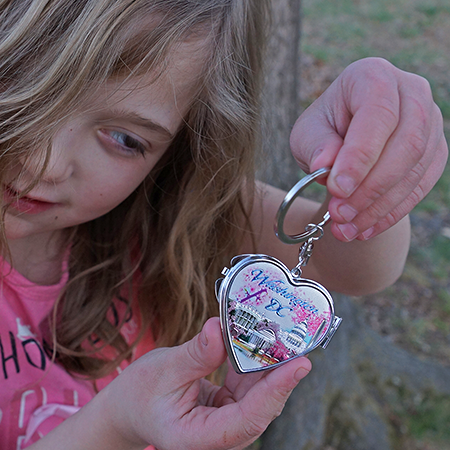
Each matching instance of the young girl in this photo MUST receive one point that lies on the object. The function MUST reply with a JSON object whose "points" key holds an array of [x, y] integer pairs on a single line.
{"points": [[128, 130]]}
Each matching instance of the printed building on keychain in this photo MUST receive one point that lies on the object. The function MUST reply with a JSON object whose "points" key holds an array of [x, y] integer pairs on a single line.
{"points": [[255, 334]]}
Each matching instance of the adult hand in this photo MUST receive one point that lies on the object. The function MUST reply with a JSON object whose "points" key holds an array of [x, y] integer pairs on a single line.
{"points": [[164, 400], [381, 132]]}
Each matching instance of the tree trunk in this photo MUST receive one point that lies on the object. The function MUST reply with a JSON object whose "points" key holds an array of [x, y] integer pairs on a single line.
{"points": [[362, 388], [282, 95]]}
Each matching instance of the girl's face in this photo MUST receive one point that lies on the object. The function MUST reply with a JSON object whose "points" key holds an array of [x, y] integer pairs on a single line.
{"points": [[102, 154]]}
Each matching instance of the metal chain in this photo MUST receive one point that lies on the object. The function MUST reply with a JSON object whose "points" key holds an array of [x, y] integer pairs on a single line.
{"points": [[306, 249]]}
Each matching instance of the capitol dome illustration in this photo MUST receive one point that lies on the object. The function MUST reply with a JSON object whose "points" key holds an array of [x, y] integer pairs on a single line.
{"points": [[296, 337]]}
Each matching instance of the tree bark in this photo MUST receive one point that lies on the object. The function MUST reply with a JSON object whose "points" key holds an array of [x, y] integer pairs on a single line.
{"points": [[281, 98]]}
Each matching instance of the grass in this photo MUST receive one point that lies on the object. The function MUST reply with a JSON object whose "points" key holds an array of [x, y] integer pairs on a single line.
{"points": [[413, 34], [428, 417]]}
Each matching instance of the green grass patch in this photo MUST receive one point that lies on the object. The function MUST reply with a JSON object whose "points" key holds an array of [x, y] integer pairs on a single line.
{"points": [[413, 34], [444, 303], [444, 105], [433, 9], [430, 417], [319, 53], [438, 199], [323, 8], [424, 415], [381, 15], [441, 249]]}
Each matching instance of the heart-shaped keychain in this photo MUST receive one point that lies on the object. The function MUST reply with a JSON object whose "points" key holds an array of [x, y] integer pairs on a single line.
{"points": [[268, 313]]}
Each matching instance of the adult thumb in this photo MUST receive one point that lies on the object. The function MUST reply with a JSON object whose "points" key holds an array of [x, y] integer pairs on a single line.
{"points": [[201, 355], [315, 140]]}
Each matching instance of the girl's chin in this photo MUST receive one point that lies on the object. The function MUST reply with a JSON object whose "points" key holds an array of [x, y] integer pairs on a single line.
{"points": [[16, 229]]}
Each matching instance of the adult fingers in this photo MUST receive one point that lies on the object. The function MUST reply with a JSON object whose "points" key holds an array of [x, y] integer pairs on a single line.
{"points": [[380, 108], [396, 203], [266, 399], [405, 161], [349, 125], [236, 386], [238, 423], [314, 141], [268, 396]]}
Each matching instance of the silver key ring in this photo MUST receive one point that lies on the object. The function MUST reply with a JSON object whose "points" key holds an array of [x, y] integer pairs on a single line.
{"points": [[311, 229]]}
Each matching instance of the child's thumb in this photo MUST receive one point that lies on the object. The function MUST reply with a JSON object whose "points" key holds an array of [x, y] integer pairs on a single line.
{"points": [[201, 355]]}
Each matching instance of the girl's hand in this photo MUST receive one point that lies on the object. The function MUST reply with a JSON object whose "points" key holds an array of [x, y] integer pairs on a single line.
{"points": [[381, 132], [162, 399]]}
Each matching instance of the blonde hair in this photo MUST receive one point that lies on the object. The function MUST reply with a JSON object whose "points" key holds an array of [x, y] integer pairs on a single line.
{"points": [[180, 227]]}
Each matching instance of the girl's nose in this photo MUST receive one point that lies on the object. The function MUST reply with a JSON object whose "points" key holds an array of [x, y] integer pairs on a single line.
{"points": [[59, 166]]}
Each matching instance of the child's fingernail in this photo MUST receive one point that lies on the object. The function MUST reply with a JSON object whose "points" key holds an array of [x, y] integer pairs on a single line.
{"points": [[347, 212], [348, 230], [368, 233], [345, 183]]}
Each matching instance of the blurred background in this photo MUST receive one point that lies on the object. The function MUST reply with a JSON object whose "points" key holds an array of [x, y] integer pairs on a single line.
{"points": [[415, 36], [412, 316]]}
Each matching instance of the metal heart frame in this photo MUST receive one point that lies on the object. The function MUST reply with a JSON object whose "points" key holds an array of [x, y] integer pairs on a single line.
{"points": [[224, 285]]}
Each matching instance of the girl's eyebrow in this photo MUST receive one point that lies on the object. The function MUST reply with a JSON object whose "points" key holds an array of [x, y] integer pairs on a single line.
{"points": [[136, 119]]}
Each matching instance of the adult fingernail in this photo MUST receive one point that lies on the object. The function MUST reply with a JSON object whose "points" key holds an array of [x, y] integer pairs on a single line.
{"points": [[345, 183], [300, 374], [203, 338], [316, 153], [348, 230], [347, 212], [368, 233]]}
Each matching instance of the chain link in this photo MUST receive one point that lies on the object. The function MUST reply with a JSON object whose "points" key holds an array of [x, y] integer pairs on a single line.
{"points": [[306, 249]]}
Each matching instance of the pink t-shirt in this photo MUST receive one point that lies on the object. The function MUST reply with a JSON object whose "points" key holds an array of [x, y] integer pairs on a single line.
{"points": [[36, 395]]}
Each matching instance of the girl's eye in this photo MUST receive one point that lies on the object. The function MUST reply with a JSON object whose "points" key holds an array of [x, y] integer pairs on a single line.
{"points": [[124, 142]]}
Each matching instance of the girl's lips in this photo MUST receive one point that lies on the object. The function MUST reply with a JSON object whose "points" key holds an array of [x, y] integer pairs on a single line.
{"points": [[26, 205]]}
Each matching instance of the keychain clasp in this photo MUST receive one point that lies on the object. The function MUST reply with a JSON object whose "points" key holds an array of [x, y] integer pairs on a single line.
{"points": [[311, 229]]}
